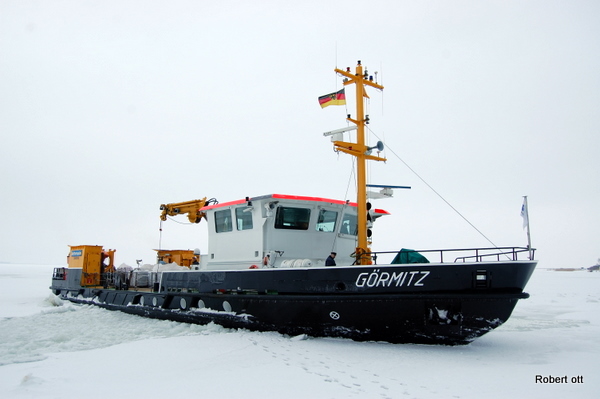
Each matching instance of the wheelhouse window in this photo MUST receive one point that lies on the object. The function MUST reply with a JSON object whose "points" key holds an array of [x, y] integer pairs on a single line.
{"points": [[243, 218], [327, 220], [223, 222], [292, 218], [349, 224]]}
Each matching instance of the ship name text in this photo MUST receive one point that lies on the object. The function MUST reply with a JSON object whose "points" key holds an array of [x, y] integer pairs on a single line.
{"points": [[377, 278]]}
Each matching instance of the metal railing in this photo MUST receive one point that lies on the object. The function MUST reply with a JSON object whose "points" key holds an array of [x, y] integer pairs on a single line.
{"points": [[60, 273], [464, 255]]}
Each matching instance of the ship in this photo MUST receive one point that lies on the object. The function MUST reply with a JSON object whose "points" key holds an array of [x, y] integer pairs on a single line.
{"points": [[303, 266]]}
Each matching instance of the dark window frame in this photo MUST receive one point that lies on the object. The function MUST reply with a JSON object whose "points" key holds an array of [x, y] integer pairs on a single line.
{"points": [[292, 218], [243, 217], [223, 221], [347, 220], [324, 220]]}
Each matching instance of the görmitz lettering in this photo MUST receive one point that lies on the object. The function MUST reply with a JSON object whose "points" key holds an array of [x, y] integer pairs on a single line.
{"points": [[377, 278]]}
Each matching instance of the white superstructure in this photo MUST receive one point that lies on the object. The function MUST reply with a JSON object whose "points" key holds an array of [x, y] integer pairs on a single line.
{"points": [[280, 231]]}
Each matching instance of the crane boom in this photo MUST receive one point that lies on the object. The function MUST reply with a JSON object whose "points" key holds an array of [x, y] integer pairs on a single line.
{"points": [[191, 208]]}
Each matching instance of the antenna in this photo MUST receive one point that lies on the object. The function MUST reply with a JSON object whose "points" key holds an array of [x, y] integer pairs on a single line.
{"points": [[338, 134], [342, 130]]}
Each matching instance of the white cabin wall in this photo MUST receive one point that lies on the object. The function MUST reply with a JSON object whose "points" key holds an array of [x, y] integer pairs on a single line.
{"points": [[314, 245], [310, 244], [238, 249], [242, 249]]}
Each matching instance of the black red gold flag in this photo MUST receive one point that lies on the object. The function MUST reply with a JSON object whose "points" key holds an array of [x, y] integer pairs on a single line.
{"points": [[337, 98]]}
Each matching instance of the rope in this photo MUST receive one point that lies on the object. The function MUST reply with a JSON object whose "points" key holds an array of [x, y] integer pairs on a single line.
{"points": [[436, 193], [176, 221], [160, 235], [160, 229], [352, 175]]}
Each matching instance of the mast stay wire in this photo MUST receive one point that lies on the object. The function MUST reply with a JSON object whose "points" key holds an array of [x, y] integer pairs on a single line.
{"points": [[351, 177], [368, 103], [435, 191], [415, 172]]}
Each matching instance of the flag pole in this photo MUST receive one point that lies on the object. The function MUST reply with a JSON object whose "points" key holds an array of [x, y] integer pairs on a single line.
{"points": [[525, 214]]}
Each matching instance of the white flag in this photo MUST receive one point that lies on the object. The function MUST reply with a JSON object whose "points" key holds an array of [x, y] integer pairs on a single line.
{"points": [[525, 213]]}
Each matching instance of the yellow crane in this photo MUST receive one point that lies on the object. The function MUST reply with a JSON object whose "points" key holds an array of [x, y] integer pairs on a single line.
{"points": [[191, 208]]}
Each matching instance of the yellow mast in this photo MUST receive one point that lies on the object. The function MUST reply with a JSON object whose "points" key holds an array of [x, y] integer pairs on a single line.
{"points": [[362, 153]]}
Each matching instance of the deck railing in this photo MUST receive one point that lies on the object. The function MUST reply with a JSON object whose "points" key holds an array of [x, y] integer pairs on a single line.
{"points": [[463, 255]]}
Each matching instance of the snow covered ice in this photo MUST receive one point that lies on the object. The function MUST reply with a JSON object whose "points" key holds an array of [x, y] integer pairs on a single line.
{"points": [[55, 349]]}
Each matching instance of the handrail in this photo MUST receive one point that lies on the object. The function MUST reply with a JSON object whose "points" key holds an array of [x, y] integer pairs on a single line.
{"points": [[468, 254]]}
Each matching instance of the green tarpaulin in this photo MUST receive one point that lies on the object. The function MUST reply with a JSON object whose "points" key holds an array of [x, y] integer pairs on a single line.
{"points": [[408, 256]]}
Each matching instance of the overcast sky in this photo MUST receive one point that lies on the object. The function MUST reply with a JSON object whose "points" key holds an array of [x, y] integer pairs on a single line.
{"points": [[110, 108]]}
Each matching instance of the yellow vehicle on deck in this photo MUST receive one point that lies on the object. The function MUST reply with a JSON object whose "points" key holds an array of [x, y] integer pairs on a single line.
{"points": [[94, 261]]}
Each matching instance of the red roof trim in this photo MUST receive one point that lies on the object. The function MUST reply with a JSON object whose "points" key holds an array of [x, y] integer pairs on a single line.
{"points": [[224, 204], [289, 197]]}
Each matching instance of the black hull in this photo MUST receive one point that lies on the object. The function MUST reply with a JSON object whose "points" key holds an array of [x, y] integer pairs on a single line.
{"points": [[411, 314], [395, 319]]}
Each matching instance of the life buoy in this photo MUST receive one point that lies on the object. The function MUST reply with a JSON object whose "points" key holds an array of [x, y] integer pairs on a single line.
{"points": [[253, 267]]}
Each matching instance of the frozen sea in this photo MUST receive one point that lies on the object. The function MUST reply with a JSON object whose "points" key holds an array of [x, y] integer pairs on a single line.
{"points": [[54, 349]]}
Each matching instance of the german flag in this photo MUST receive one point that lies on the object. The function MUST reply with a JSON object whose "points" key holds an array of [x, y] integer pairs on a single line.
{"points": [[337, 98]]}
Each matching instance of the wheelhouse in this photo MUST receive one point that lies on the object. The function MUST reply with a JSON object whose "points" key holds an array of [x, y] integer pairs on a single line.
{"points": [[280, 231]]}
